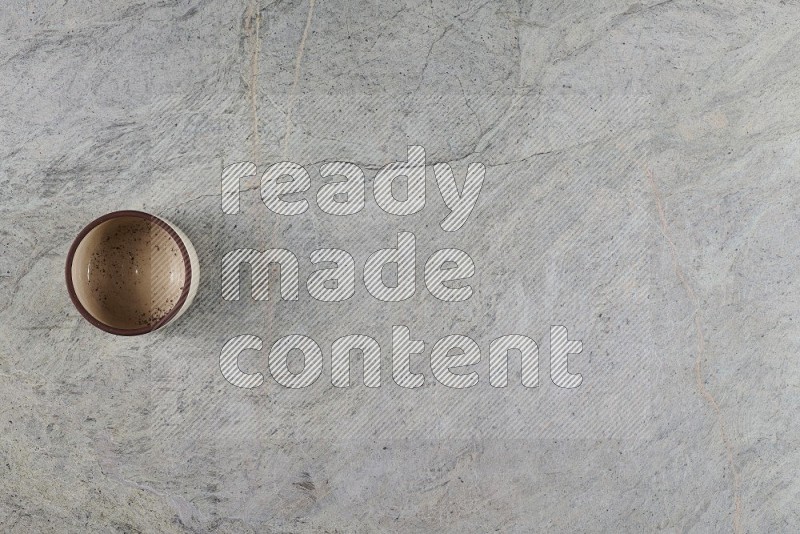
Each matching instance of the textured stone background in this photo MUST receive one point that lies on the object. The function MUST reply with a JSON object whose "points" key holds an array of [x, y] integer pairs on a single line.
{"points": [[641, 189]]}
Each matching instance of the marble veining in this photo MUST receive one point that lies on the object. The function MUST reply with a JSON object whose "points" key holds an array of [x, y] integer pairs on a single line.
{"points": [[641, 188]]}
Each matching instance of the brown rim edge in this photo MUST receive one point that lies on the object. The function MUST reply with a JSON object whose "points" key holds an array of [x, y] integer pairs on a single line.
{"points": [[186, 264]]}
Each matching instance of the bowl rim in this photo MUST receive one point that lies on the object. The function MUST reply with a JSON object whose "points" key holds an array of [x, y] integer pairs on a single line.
{"points": [[186, 264]]}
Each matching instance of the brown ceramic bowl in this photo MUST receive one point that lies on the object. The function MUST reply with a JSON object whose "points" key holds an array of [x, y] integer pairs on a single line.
{"points": [[130, 272]]}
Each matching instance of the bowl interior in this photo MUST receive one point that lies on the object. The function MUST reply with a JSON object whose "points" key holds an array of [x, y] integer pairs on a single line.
{"points": [[128, 273]]}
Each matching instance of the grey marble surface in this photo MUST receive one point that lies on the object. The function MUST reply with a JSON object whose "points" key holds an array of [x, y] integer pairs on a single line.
{"points": [[641, 189]]}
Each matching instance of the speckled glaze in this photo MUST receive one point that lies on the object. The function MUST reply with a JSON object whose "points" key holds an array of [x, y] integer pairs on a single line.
{"points": [[130, 272], [642, 189]]}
